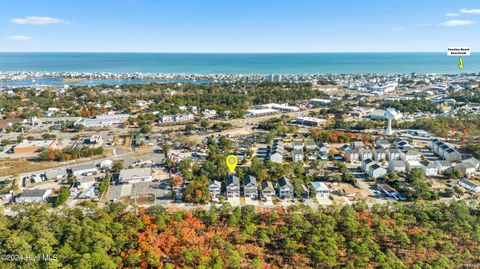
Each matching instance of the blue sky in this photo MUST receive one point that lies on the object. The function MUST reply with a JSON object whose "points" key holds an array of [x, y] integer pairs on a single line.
{"points": [[239, 25]]}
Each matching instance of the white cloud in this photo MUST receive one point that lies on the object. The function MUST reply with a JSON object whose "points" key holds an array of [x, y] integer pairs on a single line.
{"points": [[35, 20], [423, 24], [398, 28], [453, 23], [451, 14], [470, 11], [18, 37]]}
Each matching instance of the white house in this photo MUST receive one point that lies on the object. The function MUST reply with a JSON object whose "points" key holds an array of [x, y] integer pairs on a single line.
{"points": [[297, 155], [233, 186], [365, 154], [388, 190], [285, 188], [352, 155], [443, 165], [397, 166], [429, 168], [215, 189], [393, 154], [376, 171], [268, 191], [320, 188], [467, 169], [250, 187], [412, 164], [379, 155]]}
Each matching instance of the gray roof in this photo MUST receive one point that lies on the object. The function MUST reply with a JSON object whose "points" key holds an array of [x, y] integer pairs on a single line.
{"points": [[34, 193], [283, 181], [249, 179], [267, 184], [233, 179]]}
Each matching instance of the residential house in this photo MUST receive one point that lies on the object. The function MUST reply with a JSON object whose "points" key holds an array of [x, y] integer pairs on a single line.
{"points": [[297, 155], [412, 164], [365, 154], [468, 169], [443, 165], [397, 166], [276, 152], [297, 145], [352, 155], [452, 155], [379, 155], [310, 146], [388, 190], [215, 189], [268, 191], [250, 187], [376, 171], [305, 191], [445, 151], [392, 154], [474, 162], [357, 144], [7, 123], [323, 151], [429, 168], [285, 188], [233, 186], [320, 188]]}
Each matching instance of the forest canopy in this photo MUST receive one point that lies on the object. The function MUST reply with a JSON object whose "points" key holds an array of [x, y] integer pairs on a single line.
{"points": [[386, 236]]}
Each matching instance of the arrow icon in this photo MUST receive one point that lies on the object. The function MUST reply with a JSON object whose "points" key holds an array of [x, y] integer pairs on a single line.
{"points": [[460, 63]]}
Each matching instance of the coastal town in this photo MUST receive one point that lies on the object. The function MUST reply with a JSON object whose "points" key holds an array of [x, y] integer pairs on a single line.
{"points": [[248, 134], [312, 140]]}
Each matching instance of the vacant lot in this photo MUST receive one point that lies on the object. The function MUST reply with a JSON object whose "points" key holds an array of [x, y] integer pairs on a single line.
{"points": [[25, 165]]}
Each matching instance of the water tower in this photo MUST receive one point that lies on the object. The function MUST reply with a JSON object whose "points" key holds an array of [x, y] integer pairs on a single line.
{"points": [[389, 116]]}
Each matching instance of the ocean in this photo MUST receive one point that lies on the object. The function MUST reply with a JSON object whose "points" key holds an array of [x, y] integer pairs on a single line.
{"points": [[239, 63]]}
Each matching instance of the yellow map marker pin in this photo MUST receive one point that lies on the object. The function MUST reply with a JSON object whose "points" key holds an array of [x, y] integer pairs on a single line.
{"points": [[232, 162], [460, 63]]}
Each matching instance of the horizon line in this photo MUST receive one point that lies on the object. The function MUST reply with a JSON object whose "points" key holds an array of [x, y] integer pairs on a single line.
{"points": [[229, 52]]}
